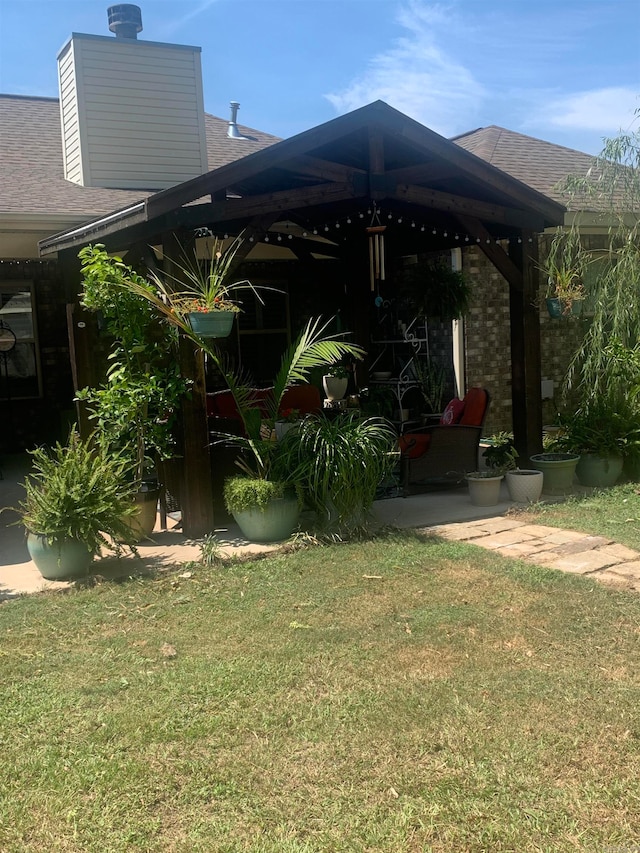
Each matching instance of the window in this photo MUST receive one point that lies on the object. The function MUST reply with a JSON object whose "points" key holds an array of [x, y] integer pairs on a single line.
{"points": [[19, 369]]}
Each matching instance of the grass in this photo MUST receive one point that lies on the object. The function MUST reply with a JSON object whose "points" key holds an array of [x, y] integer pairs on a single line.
{"points": [[614, 513], [404, 694]]}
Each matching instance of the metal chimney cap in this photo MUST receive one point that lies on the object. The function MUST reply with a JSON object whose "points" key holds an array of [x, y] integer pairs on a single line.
{"points": [[125, 20], [233, 132]]}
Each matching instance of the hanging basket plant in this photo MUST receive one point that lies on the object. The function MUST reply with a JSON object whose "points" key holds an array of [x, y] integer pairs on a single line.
{"points": [[434, 289]]}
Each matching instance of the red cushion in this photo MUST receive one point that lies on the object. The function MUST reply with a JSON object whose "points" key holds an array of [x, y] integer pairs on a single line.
{"points": [[303, 398], [414, 444], [475, 406], [453, 412]]}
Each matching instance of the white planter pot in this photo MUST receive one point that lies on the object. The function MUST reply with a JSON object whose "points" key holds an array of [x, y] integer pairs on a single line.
{"points": [[484, 491], [525, 485], [334, 387]]}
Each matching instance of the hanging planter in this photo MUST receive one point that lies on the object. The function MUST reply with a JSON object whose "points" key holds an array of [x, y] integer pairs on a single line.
{"points": [[563, 308], [211, 324]]}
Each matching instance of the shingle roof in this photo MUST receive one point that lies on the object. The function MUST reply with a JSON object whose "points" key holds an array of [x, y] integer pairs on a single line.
{"points": [[539, 164], [31, 170]]}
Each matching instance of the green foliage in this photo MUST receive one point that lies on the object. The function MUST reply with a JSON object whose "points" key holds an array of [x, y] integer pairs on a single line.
{"points": [[564, 262], [598, 429], [432, 378], [203, 286], [434, 289], [501, 455], [136, 407], [339, 463], [243, 493], [79, 491], [611, 186]]}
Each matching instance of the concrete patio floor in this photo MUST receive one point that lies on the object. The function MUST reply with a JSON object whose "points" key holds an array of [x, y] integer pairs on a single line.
{"points": [[448, 512]]}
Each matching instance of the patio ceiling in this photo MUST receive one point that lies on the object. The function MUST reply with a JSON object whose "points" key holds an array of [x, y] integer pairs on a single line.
{"points": [[373, 154]]}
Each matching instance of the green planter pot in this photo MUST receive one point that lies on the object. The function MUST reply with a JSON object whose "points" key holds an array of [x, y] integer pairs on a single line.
{"points": [[272, 524], [595, 470], [67, 560], [212, 324], [558, 469]]}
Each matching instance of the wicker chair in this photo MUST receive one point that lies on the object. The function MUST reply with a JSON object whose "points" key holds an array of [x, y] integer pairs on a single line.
{"points": [[443, 453]]}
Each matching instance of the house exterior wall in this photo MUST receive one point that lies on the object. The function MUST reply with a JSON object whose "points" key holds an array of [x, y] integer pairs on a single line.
{"points": [[132, 113], [488, 345]]}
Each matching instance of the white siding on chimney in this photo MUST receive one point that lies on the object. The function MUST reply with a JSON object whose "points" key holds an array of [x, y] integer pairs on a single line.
{"points": [[132, 113]]}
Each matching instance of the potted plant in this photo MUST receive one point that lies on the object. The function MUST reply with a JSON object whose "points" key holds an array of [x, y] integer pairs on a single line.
{"points": [[135, 409], [564, 266], [524, 484], [499, 456], [78, 498], [600, 435], [263, 459], [335, 382], [338, 463], [201, 295]]}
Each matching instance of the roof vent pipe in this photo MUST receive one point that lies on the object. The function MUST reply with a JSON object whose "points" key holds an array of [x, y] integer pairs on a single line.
{"points": [[125, 20], [233, 132]]}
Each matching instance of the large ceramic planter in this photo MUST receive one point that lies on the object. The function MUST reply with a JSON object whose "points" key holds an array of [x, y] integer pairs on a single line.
{"points": [[595, 470], [212, 324], [335, 387], [525, 485], [273, 524], [558, 469], [484, 491], [66, 560], [143, 519]]}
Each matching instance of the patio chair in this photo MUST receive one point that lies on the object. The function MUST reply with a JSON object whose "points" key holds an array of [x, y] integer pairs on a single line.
{"points": [[444, 452]]}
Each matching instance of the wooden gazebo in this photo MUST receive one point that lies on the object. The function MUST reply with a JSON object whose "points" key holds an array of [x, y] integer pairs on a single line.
{"points": [[373, 156]]}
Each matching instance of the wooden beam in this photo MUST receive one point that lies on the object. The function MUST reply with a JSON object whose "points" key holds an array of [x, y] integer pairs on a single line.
{"points": [[464, 206], [432, 170], [285, 200], [496, 254], [324, 170], [525, 352]]}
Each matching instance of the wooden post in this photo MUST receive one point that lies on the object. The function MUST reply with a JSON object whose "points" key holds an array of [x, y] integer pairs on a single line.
{"points": [[82, 333], [526, 372], [196, 494]]}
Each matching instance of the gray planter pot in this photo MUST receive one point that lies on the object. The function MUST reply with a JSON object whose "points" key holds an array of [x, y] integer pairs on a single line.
{"points": [[525, 485], [484, 491]]}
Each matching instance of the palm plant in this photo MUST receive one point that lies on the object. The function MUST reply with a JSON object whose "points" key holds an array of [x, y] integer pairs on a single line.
{"points": [[312, 349]]}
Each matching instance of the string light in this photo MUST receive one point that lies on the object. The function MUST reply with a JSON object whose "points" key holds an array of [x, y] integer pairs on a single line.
{"points": [[360, 214]]}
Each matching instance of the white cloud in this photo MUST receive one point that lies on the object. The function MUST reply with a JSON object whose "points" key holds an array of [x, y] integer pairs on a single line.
{"points": [[172, 26], [416, 76], [606, 110]]}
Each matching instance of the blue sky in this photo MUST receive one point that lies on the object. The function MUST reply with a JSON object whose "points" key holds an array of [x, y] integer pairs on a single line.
{"points": [[567, 71]]}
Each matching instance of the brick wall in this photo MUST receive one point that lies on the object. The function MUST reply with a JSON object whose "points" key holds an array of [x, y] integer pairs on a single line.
{"points": [[487, 339]]}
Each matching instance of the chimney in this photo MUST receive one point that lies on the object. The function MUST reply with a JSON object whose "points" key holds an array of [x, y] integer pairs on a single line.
{"points": [[132, 110], [125, 20], [233, 132]]}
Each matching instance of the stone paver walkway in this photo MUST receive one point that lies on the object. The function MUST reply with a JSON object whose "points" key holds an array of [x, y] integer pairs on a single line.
{"points": [[566, 550]]}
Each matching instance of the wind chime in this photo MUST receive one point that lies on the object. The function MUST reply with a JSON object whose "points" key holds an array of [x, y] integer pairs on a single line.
{"points": [[376, 250]]}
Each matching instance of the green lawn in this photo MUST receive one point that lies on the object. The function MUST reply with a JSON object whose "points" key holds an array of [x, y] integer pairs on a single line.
{"points": [[402, 694], [614, 513]]}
